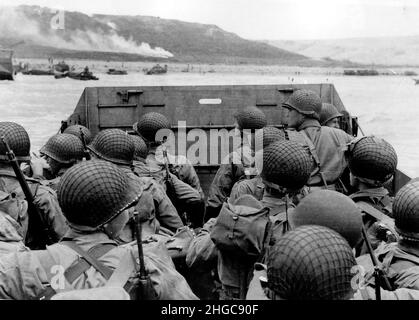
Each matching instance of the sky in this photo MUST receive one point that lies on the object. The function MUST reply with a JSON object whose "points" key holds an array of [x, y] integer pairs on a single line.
{"points": [[267, 19]]}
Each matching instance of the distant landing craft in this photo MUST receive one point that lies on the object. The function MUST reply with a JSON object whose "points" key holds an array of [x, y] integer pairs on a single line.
{"points": [[416, 81], [6, 64]]}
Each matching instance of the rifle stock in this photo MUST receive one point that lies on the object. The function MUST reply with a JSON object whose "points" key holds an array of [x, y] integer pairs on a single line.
{"points": [[145, 290], [36, 223]]}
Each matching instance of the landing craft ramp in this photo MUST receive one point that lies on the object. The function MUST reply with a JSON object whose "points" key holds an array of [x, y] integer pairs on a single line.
{"points": [[200, 107]]}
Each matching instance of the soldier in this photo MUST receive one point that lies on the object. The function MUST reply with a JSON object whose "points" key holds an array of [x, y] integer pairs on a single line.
{"points": [[326, 144], [97, 199], [61, 152], [372, 163], [255, 186], [147, 127], [75, 130], [310, 263], [13, 199], [115, 146], [400, 259], [329, 116], [286, 169], [237, 165], [184, 189]]}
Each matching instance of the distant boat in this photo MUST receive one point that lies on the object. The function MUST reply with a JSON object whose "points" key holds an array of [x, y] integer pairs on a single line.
{"points": [[84, 75], [410, 73], [6, 64], [362, 72], [416, 81], [157, 69], [61, 67], [116, 72], [38, 72]]}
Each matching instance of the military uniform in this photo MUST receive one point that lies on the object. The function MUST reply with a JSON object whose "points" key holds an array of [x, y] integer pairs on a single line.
{"points": [[400, 260], [326, 144], [237, 165], [254, 187], [372, 162], [45, 199], [115, 146], [27, 275], [10, 239]]}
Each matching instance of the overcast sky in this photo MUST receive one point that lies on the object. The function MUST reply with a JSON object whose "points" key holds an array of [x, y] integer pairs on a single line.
{"points": [[267, 19]]}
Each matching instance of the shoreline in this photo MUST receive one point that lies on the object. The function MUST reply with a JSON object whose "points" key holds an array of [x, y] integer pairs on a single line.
{"points": [[97, 66]]}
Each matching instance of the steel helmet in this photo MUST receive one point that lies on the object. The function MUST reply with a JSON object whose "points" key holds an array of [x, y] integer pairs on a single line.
{"points": [[64, 148], [91, 193], [328, 113], [406, 211], [306, 102], [372, 159], [250, 118], [141, 149], [18, 140], [286, 164], [268, 135], [311, 263], [113, 145], [150, 123], [330, 209], [75, 130]]}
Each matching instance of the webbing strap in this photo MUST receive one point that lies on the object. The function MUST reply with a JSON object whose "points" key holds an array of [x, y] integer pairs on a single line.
{"points": [[89, 259], [377, 214]]}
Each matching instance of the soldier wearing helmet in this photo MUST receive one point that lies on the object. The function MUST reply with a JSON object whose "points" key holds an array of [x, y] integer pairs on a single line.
{"points": [[285, 171], [329, 116], [13, 199], [61, 152], [372, 163], [115, 146], [400, 259], [239, 164], [326, 144], [166, 168], [255, 186], [97, 199], [152, 127]]}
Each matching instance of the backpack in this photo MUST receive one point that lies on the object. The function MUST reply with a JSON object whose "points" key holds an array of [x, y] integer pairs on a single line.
{"points": [[242, 228]]}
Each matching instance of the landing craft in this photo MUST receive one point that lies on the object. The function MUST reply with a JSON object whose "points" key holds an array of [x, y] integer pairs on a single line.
{"points": [[200, 107], [6, 64]]}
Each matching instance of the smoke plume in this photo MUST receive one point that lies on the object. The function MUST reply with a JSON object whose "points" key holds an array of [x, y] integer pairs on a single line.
{"points": [[15, 24]]}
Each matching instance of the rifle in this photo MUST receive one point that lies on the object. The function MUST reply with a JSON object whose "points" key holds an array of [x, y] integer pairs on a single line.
{"points": [[145, 290], [83, 140], [35, 219], [380, 277]]}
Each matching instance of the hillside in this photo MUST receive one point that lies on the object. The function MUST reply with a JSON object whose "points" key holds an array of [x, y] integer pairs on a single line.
{"points": [[391, 51], [131, 38]]}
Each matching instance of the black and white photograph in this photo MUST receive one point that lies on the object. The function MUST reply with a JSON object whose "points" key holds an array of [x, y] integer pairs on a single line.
{"points": [[209, 155]]}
